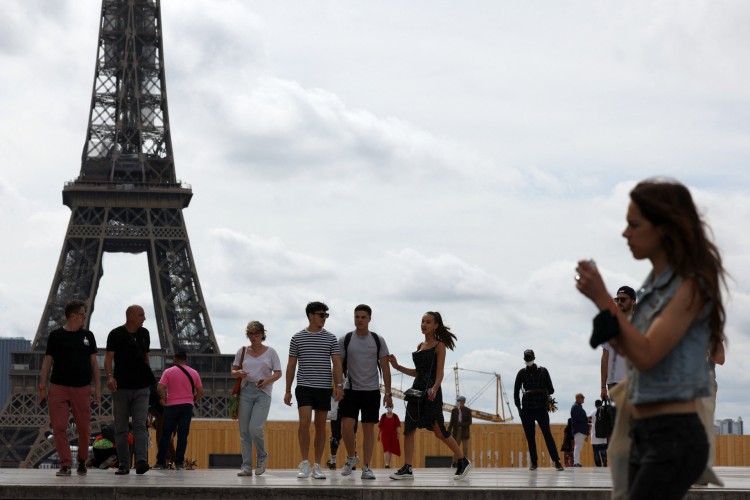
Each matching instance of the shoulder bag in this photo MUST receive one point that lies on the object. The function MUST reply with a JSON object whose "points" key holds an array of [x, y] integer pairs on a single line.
{"points": [[234, 400]]}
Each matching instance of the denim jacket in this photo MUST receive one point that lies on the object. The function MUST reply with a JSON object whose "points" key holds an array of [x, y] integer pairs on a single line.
{"points": [[683, 374]]}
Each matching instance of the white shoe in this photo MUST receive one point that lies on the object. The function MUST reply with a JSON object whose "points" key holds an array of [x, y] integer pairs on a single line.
{"points": [[367, 473], [304, 470], [351, 462], [260, 469], [317, 473], [245, 472]]}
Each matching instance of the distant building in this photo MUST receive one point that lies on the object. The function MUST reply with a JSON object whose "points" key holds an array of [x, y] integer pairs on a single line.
{"points": [[729, 426], [8, 345]]}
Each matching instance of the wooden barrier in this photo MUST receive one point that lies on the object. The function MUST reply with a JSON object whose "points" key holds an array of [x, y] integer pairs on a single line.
{"points": [[492, 445]]}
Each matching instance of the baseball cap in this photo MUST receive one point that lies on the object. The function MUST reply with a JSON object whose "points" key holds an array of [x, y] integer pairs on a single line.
{"points": [[628, 291]]}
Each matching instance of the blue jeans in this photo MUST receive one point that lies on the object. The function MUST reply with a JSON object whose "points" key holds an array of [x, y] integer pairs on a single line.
{"points": [[667, 454], [175, 417], [131, 404], [254, 407]]}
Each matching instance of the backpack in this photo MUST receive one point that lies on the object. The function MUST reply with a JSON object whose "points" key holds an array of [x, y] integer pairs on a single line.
{"points": [[604, 420], [347, 339]]}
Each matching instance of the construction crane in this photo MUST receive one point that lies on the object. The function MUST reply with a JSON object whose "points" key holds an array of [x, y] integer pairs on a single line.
{"points": [[498, 417]]}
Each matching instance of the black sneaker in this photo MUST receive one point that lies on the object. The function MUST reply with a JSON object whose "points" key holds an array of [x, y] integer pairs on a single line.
{"points": [[463, 468], [122, 470], [331, 464], [403, 473], [533, 467], [63, 471], [141, 467], [81, 471], [559, 466]]}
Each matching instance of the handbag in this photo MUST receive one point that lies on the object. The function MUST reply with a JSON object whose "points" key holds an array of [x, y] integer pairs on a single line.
{"points": [[234, 400], [413, 395]]}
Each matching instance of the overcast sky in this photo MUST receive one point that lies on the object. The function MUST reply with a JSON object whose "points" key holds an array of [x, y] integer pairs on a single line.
{"points": [[414, 156]]}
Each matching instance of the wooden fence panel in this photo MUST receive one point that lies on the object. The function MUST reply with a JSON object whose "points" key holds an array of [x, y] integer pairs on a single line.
{"points": [[492, 445]]}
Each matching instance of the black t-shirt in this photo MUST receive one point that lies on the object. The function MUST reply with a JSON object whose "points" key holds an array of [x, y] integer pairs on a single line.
{"points": [[131, 370], [71, 353]]}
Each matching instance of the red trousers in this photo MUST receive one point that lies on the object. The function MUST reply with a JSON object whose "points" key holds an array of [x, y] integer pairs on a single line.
{"points": [[63, 400]]}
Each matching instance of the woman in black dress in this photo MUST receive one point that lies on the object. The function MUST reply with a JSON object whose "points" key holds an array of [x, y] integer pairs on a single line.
{"points": [[427, 413]]}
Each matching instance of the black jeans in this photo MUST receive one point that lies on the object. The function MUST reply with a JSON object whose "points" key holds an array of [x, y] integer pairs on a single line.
{"points": [[528, 417], [667, 455], [600, 454], [176, 418]]}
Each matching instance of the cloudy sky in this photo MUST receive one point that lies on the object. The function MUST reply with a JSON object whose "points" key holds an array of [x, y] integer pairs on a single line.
{"points": [[422, 155]]}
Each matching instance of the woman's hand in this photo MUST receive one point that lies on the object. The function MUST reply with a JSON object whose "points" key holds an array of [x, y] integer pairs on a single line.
{"points": [[590, 283], [431, 393], [239, 374], [393, 361]]}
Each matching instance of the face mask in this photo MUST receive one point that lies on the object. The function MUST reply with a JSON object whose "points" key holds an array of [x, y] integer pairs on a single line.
{"points": [[529, 363]]}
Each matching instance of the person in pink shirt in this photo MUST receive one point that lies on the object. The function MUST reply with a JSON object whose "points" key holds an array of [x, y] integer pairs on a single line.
{"points": [[178, 389]]}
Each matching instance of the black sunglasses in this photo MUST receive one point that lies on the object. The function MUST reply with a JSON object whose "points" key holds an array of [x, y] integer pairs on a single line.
{"points": [[322, 314], [621, 299]]}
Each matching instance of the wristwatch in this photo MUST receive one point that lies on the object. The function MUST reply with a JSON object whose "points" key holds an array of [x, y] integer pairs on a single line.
{"points": [[340, 385], [389, 394]]}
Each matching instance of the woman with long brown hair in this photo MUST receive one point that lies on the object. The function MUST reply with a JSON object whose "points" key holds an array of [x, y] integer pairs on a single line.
{"points": [[680, 316], [427, 413]]}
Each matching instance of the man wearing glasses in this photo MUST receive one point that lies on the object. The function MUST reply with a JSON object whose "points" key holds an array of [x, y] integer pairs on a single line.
{"points": [[312, 350], [71, 355], [613, 364]]}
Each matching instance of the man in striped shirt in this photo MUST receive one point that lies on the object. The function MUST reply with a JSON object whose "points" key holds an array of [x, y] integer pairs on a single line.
{"points": [[311, 352]]}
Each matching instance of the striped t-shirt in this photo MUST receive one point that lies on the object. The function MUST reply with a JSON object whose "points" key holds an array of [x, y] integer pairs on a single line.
{"points": [[313, 351]]}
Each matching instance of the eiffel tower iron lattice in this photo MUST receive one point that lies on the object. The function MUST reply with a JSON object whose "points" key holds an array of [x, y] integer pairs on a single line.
{"points": [[126, 199]]}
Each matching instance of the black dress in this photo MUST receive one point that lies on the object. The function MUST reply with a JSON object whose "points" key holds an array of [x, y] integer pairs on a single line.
{"points": [[425, 413]]}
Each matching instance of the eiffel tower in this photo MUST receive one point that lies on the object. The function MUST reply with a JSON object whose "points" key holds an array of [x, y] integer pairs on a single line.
{"points": [[126, 199]]}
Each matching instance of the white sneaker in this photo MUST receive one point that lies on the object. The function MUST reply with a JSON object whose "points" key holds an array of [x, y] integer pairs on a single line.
{"points": [[245, 472], [317, 473], [367, 473], [351, 462], [260, 469], [304, 469]]}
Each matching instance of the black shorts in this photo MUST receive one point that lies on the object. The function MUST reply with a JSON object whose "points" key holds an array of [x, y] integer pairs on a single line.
{"points": [[319, 399], [368, 402]]}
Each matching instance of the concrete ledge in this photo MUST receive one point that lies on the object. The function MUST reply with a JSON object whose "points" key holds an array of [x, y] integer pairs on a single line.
{"points": [[428, 484]]}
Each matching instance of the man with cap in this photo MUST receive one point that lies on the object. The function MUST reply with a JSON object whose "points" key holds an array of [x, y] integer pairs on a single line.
{"points": [[536, 385], [178, 389], [612, 364], [459, 425]]}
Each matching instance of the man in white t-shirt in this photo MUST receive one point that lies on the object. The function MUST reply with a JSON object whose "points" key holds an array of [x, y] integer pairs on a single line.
{"points": [[613, 364], [598, 444]]}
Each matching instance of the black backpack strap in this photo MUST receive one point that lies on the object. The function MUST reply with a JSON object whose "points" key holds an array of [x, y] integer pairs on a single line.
{"points": [[377, 352], [347, 340]]}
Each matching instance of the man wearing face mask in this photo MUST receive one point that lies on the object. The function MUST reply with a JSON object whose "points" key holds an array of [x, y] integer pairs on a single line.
{"points": [[532, 390]]}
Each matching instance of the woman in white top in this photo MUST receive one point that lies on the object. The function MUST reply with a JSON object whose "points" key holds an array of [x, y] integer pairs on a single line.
{"points": [[259, 367]]}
